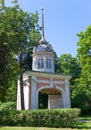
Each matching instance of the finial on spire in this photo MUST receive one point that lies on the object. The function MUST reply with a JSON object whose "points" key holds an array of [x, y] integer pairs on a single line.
{"points": [[42, 41], [42, 22], [42, 8]]}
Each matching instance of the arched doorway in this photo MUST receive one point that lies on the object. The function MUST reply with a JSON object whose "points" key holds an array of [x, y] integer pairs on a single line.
{"points": [[49, 98], [42, 100]]}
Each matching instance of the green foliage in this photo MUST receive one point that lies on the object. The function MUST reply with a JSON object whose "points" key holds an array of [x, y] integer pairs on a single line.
{"points": [[1, 5], [8, 117], [17, 29], [40, 118], [8, 113], [8, 106], [12, 92], [67, 64], [54, 118], [82, 94]]}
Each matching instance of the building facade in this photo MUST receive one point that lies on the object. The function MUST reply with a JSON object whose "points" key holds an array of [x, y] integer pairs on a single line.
{"points": [[42, 87]]}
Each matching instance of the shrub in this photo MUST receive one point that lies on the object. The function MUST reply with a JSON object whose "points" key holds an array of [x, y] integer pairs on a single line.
{"points": [[40, 118], [51, 118], [8, 113], [8, 106]]}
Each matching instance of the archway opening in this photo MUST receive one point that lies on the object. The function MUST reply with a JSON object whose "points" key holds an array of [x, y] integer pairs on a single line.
{"points": [[49, 98], [43, 101]]}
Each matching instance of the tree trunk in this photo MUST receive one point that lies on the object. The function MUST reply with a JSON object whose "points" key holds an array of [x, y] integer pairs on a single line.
{"points": [[21, 81]]}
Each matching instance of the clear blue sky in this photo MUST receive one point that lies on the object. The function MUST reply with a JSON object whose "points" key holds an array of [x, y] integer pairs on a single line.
{"points": [[63, 20]]}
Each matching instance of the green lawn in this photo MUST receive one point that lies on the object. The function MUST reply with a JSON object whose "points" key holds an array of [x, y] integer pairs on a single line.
{"points": [[85, 118], [84, 124], [33, 128]]}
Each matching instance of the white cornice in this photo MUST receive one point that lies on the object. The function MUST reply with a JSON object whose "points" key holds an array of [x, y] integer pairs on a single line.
{"points": [[52, 75], [42, 52]]}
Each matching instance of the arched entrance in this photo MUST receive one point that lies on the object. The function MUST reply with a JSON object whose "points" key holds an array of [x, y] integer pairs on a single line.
{"points": [[42, 100], [49, 98]]}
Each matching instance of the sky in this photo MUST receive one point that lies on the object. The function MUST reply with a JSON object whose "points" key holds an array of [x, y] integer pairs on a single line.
{"points": [[63, 19]]}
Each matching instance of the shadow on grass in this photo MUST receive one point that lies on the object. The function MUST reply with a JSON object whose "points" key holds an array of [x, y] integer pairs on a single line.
{"points": [[84, 125]]}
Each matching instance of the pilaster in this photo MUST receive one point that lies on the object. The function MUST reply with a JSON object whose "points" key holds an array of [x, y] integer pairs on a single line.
{"points": [[67, 94], [18, 96], [33, 94]]}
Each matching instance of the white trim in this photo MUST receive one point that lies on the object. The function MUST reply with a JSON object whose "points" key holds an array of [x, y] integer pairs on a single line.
{"points": [[33, 94], [50, 81], [67, 94], [52, 75], [18, 96]]}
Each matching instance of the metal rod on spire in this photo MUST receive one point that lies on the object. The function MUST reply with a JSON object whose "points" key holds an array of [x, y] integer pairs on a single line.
{"points": [[42, 41], [42, 22]]}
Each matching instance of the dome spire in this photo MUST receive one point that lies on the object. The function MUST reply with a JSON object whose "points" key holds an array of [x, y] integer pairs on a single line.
{"points": [[42, 21], [42, 41]]}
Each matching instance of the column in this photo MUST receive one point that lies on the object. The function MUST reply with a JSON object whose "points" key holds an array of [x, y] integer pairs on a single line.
{"points": [[33, 94], [18, 96], [49, 102], [67, 94], [26, 96]]}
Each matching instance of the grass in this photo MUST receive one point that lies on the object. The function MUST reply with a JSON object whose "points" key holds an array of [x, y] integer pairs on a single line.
{"points": [[84, 124], [33, 128], [88, 118]]}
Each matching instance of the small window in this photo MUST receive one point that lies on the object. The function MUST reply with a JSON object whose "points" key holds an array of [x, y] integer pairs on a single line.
{"points": [[48, 63], [40, 63]]}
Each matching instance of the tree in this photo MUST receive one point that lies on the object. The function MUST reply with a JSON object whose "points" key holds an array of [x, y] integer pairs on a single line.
{"points": [[67, 64], [1, 5], [6, 69], [15, 28], [82, 93]]}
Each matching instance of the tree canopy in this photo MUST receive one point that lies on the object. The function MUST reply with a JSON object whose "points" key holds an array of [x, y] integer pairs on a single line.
{"points": [[17, 29], [82, 93]]}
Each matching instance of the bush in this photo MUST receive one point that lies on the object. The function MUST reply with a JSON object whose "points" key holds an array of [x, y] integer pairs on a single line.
{"points": [[8, 117], [40, 118], [8, 106], [7, 113], [51, 118]]}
